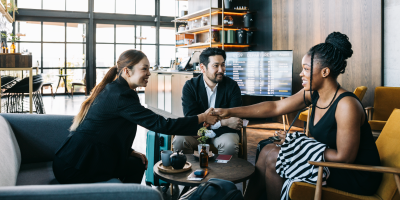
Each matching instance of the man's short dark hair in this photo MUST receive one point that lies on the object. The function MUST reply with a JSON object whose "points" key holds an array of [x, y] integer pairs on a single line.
{"points": [[204, 56]]}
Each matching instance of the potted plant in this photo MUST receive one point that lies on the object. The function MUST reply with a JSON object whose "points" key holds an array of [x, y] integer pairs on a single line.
{"points": [[13, 38], [203, 139]]}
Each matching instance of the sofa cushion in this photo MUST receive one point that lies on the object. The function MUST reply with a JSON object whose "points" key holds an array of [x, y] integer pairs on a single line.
{"points": [[36, 174], [10, 155], [42, 174], [39, 136]]}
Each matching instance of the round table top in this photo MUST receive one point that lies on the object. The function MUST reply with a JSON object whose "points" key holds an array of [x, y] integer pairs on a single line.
{"points": [[236, 170], [63, 74]]}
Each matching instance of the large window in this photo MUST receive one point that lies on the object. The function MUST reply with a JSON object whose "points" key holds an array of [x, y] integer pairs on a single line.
{"points": [[61, 5], [140, 7], [61, 44], [59, 49], [113, 39]]}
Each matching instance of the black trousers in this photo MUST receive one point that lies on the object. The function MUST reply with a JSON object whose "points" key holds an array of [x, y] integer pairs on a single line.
{"points": [[65, 173]]}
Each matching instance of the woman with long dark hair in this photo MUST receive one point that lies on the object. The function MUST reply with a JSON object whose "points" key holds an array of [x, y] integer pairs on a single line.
{"points": [[337, 120], [99, 146]]}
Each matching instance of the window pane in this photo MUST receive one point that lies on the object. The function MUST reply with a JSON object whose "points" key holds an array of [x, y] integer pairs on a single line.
{"points": [[104, 55], [100, 73], [76, 55], [104, 6], [53, 4], [146, 34], [53, 32], [50, 76], [167, 53], [125, 7], [150, 51], [77, 5], [35, 49], [145, 7], [76, 32], [53, 55], [167, 35], [105, 33], [31, 29], [121, 48], [167, 7], [31, 4], [125, 34]]}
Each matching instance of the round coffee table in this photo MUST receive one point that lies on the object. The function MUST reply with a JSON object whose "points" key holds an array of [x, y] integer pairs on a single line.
{"points": [[236, 170]]}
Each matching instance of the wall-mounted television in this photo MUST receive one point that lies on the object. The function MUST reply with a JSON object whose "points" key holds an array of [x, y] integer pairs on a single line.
{"points": [[261, 73]]}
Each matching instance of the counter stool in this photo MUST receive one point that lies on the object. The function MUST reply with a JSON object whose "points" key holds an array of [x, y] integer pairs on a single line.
{"points": [[48, 85]]}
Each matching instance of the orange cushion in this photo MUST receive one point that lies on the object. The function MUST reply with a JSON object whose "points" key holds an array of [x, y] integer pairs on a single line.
{"points": [[306, 191], [377, 125]]}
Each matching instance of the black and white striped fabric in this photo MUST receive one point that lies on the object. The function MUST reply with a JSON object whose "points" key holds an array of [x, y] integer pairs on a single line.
{"points": [[292, 163]]}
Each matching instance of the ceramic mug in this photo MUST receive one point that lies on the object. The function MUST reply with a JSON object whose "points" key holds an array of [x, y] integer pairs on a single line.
{"points": [[165, 157]]}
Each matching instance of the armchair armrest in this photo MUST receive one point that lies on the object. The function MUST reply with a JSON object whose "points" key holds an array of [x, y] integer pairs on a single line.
{"points": [[80, 191], [391, 170], [318, 190]]}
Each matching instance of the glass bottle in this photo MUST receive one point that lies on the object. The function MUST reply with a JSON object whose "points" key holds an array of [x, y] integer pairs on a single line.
{"points": [[12, 48], [203, 157], [3, 47]]}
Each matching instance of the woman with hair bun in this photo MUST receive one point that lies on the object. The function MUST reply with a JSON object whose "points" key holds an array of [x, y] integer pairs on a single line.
{"points": [[99, 146], [337, 120]]}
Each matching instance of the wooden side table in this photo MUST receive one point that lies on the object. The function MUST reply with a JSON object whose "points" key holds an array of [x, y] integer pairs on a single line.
{"points": [[236, 170]]}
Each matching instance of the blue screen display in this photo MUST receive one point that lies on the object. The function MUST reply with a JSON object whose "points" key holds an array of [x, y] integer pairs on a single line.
{"points": [[261, 73]]}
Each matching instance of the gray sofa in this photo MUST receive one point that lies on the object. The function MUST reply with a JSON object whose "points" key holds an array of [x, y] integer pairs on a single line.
{"points": [[27, 146]]}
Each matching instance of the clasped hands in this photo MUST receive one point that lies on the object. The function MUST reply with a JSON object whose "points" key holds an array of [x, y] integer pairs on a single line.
{"points": [[221, 114]]}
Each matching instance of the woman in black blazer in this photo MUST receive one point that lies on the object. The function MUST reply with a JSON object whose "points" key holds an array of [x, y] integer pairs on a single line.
{"points": [[99, 146]]}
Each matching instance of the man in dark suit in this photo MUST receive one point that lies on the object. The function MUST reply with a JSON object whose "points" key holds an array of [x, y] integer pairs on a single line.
{"points": [[212, 89]]}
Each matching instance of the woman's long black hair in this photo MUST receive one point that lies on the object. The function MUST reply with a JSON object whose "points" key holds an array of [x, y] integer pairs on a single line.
{"points": [[332, 54]]}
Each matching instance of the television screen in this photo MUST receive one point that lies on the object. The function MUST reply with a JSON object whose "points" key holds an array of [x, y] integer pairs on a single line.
{"points": [[261, 73]]}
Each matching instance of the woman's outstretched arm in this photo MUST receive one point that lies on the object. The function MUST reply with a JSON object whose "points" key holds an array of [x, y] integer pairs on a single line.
{"points": [[267, 108]]}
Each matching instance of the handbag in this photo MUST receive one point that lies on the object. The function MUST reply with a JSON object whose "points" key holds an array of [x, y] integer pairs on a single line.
{"points": [[217, 189]]}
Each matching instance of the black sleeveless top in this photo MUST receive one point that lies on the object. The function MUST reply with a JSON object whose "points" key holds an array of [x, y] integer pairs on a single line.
{"points": [[325, 131]]}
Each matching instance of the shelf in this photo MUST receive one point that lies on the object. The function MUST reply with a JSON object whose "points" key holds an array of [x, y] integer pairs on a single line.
{"points": [[199, 13], [218, 27], [204, 45]]}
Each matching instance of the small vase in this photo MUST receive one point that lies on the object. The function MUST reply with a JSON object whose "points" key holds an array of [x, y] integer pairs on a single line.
{"points": [[12, 48], [201, 145]]}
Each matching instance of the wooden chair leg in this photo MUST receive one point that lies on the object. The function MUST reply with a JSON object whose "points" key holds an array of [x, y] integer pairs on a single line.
{"points": [[72, 91], [318, 189], [41, 89], [51, 87], [85, 90], [171, 187]]}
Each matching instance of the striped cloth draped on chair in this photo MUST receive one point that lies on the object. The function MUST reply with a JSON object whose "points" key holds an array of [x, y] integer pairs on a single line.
{"points": [[292, 163]]}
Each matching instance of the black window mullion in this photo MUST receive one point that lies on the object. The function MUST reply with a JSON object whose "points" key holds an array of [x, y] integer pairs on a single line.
{"points": [[115, 45], [65, 50], [41, 43]]}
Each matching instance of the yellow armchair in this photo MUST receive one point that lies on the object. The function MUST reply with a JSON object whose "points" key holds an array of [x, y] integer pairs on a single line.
{"points": [[386, 99], [389, 152]]}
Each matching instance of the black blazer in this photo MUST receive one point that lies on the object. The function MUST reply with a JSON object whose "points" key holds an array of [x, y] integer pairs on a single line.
{"points": [[195, 101], [102, 142]]}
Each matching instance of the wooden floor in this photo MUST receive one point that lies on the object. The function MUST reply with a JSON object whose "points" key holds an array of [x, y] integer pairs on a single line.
{"points": [[257, 130]]}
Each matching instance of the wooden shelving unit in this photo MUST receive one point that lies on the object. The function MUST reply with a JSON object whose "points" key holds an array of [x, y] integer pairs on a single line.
{"points": [[209, 12]]}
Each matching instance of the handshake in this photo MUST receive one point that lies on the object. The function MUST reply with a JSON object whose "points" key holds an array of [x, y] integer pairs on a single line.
{"points": [[213, 115]]}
